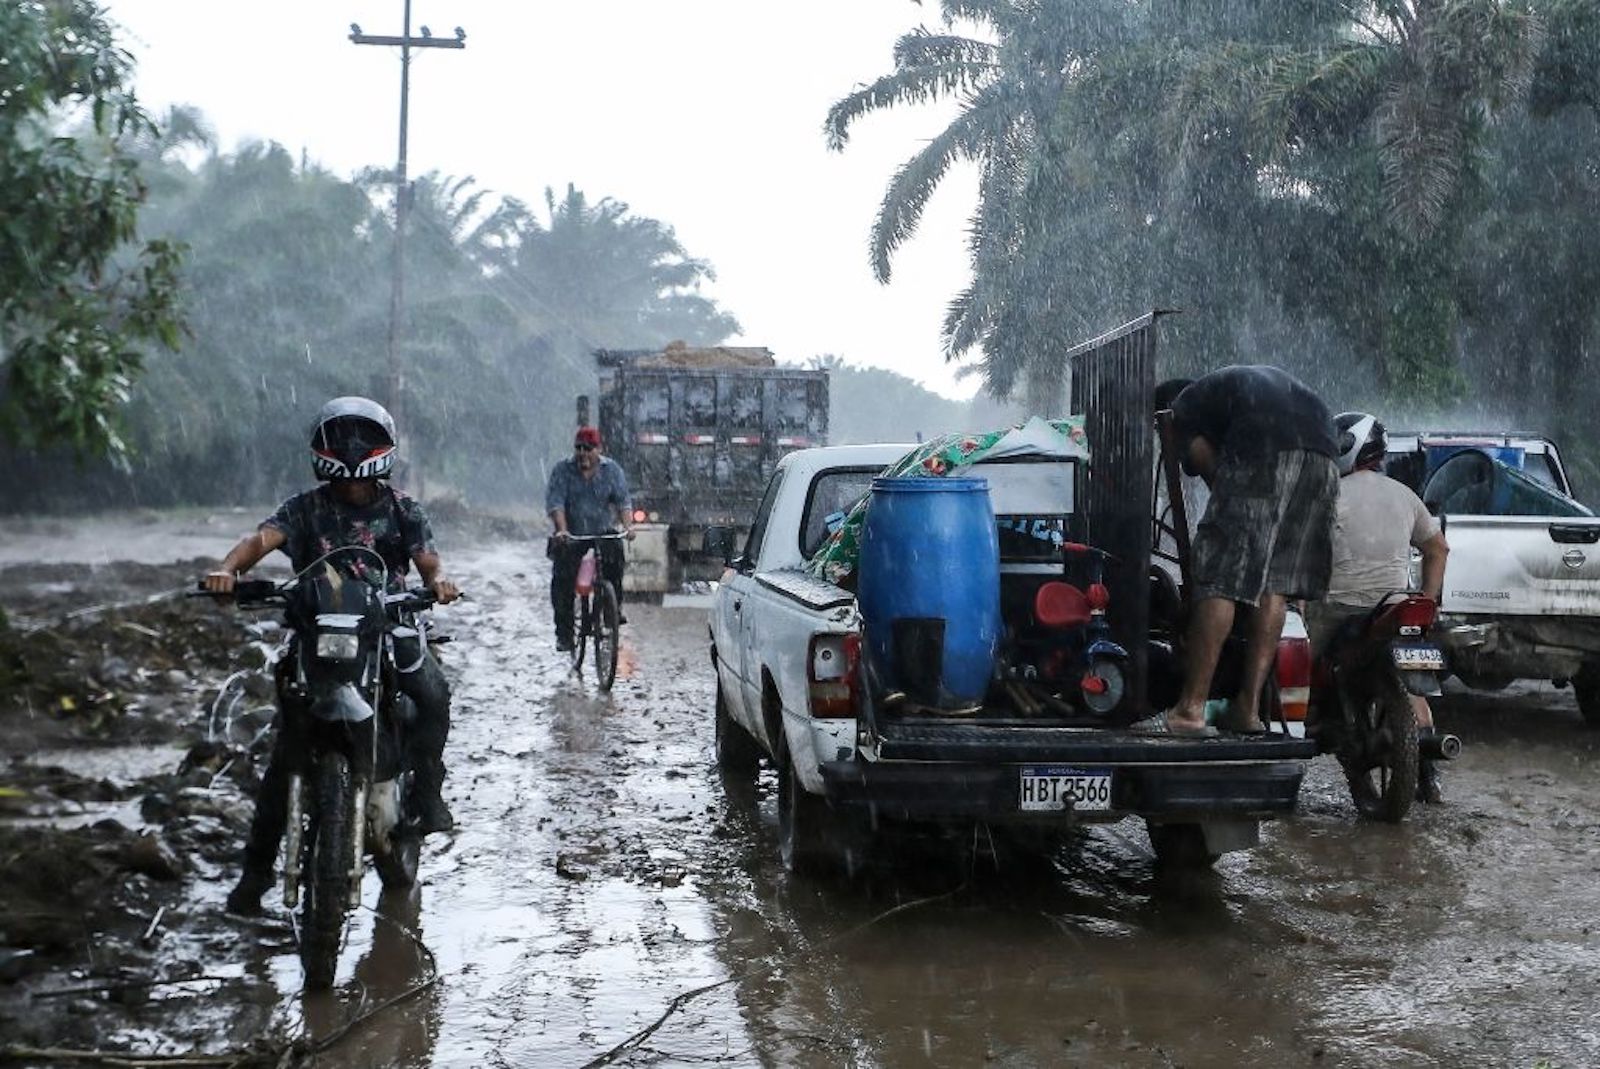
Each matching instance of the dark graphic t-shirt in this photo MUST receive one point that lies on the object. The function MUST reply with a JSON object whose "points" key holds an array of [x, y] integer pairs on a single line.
{"points": [[315, 523], [1254, 410]]}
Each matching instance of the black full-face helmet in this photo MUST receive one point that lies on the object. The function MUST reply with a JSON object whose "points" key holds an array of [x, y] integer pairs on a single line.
{"points": [[353, 438], [1362, 439]]}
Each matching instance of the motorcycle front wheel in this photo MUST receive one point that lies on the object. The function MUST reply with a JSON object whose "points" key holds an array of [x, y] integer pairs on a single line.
{"points": [[327, 869], [1379, 751]]}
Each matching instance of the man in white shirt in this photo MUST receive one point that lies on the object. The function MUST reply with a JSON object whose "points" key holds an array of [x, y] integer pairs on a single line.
{"points": [[1379, 522]]}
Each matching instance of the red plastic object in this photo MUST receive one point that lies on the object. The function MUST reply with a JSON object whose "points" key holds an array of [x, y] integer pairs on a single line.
{"points": [[1416, 611], [1061, 605], [1093, 684], [1099, 597]]}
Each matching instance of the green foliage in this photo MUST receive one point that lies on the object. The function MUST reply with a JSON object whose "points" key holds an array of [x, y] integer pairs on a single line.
{"points": [[1338, 188], [287, 289], [78, 302]]}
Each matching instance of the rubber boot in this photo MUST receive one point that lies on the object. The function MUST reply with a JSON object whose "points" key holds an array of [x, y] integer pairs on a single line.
{"points": [[431, 812], [255, 881]]}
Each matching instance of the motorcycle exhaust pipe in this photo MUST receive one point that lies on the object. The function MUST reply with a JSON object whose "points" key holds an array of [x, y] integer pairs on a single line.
{"points": [[294, 834], [1437, 747]]}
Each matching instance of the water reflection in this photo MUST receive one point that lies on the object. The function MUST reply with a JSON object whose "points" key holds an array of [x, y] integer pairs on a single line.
{"points": [[387, 985]]}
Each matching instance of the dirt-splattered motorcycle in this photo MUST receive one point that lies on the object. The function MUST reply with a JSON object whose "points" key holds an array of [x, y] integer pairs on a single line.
{"points": [[1361, 708], [349, 792]]}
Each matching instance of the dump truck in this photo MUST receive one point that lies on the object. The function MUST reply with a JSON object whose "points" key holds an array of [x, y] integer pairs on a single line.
{"points": [[699, 432]]}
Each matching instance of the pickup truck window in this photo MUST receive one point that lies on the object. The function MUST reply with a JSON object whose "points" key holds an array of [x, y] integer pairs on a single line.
{"points": [[832, 493], [758, 529]]}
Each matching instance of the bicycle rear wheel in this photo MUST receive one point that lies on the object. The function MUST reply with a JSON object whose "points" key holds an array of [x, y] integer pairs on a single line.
{"points": [[607, 633]]}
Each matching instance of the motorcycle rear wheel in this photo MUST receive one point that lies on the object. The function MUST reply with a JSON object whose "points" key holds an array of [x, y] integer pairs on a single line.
{"points": [[1379, 752], [327, 869]]}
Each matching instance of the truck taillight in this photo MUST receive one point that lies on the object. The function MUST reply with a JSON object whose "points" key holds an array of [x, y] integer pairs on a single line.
{"points": [[1294, 676], [831, 673]]}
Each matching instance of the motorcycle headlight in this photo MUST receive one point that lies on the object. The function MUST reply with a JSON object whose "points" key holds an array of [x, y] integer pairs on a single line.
{"points": [[336, 646]]}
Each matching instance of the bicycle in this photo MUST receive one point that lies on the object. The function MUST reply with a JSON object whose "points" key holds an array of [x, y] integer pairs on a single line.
{"points": [[596, 613]]}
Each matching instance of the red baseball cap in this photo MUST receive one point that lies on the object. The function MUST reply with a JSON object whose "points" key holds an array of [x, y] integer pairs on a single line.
{"points": [[589, 436]]}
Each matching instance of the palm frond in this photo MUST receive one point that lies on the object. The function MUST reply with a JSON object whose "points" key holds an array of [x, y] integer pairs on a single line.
{"points": [[1421, 138], [924, 48], [917, 85], [969, 136]]}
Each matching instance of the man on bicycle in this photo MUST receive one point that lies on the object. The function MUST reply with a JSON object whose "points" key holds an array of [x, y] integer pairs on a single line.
{"points": [[587, 495]]}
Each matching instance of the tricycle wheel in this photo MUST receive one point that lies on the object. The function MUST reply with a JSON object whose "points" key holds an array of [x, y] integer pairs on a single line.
{"points": [[1379, 752], [1180, 846]]}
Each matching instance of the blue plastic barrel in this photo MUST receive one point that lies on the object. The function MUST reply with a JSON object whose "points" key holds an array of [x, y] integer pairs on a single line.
{"points": [[929, 588]]}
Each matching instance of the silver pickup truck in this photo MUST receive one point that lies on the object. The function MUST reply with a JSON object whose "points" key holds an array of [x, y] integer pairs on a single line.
{"points": [[1522, 587]]}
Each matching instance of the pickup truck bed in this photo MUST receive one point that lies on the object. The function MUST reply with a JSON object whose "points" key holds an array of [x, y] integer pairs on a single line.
{"points": [[784, 642]]}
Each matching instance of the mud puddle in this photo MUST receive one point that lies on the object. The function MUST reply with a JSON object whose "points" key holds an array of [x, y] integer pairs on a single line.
{"points": [[602, 871]]}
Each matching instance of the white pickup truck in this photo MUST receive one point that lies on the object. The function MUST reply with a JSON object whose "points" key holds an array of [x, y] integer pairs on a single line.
{"points": [[1522, 586], [786, 646]]}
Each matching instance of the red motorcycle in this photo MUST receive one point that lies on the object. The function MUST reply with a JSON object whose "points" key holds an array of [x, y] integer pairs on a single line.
{"points": [[1361, 703]]}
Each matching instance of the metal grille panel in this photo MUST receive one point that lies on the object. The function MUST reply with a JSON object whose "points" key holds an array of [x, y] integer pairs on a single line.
{"points": [[1113, 386]]}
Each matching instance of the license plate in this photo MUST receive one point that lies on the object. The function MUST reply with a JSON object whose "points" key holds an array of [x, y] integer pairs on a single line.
{"points": [[1052, 788], [1419, 658]]}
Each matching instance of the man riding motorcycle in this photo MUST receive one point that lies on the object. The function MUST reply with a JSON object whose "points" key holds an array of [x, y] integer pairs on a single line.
{"points": [[352, 453], [1380, 520]]}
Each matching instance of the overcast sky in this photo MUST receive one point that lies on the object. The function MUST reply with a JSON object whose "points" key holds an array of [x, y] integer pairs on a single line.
{"points": [[706, 114]]}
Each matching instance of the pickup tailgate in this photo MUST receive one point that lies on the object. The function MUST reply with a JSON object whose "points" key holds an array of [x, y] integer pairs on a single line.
{"points": [[939, 769], [1522, 566]]}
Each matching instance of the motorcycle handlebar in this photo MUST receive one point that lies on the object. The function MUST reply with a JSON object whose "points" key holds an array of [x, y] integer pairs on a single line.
{"points": [[244, 591]]}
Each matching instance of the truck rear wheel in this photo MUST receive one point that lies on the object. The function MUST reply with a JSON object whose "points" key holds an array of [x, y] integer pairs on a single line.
{"points": [[1586, 685], [738, 753], [1180, 846]]}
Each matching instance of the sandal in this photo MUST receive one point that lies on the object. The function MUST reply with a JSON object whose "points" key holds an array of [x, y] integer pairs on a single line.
{"points": [[1160, 725]]}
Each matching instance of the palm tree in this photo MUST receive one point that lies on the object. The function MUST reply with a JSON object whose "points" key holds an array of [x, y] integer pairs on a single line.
{"points": [[605, 278], [1417, 79], [1008, 78]]}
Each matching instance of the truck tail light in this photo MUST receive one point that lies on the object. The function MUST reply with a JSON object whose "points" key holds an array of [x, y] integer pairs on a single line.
{"points": [[1294, 676], [831, 675]]}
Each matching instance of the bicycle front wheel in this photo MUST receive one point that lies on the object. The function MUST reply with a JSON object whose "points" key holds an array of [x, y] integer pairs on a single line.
{"points": [[582, 625], [607, 633]]}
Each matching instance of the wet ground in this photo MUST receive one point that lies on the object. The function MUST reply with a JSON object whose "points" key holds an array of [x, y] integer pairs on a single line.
{"points": [[603, 876]]}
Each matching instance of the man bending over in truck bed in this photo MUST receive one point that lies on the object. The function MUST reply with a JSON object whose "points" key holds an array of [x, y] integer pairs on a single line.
{"points": [[1263, 442]]}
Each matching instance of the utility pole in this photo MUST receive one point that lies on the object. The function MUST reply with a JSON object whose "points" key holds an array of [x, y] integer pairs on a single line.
{"points": [[402, 191]]}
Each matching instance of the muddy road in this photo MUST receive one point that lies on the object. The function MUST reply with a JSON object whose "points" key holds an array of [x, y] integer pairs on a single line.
{"points": [[604, 882]]}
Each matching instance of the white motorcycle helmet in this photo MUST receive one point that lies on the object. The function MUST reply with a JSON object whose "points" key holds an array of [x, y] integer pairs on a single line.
{"points": [[1361, 439], [353, 438]]}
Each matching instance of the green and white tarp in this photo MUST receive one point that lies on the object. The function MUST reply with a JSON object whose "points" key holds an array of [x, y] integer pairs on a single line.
{"points": [[951, 454]]}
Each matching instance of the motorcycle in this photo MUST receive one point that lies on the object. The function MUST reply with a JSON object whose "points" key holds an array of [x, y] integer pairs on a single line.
{"points": [[350, 792], [1361, 708]]}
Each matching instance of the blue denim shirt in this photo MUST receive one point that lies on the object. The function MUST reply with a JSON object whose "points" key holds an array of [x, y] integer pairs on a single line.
{"points": [[590, 504]]}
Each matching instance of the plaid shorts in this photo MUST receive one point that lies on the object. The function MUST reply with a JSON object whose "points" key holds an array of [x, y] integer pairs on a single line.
{"points": [[1268, 528]]}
